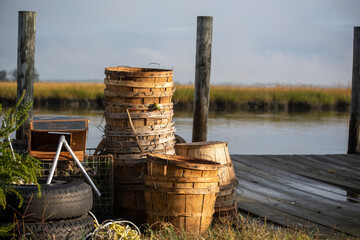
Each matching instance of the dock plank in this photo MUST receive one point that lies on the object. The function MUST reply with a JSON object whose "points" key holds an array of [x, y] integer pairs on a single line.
{"points": [[300, 188], [295, 209], [341, 160], [295, 192], [307, 216], [301, 199], [312, 171], [276, 162], [260, 210], [292, 180], [273, 169], [323, 164]]}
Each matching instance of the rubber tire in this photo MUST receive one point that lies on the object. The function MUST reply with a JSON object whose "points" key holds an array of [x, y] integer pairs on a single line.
{"points": [[76, 228], [64, 198]]}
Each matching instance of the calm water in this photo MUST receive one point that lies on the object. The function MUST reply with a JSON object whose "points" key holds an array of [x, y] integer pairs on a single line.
{"points": [[252, 133]]}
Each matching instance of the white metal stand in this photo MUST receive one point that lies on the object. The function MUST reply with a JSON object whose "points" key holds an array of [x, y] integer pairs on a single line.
{"points": [[62, 141]]}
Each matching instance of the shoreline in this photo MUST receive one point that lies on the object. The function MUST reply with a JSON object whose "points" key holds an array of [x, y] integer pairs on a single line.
{"points": [[222, 98], [217, 106]]}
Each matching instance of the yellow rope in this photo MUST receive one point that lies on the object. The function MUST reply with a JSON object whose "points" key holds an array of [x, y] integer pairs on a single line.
{"points": [[116, 230]]}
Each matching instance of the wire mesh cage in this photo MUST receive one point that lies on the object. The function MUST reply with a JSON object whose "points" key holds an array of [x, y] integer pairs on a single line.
{"points": [[100, 170]]}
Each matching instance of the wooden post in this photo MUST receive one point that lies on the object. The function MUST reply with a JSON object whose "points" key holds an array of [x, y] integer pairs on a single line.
{"points": [[26, 61], [202, 78], [354, 126]]}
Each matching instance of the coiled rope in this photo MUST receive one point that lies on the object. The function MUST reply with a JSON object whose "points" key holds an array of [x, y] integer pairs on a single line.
{"points": [[116, 230]]}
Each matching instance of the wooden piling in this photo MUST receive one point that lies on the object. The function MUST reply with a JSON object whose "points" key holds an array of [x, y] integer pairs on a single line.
{"points": [[354, 126], [202, 78], [26, 61]]}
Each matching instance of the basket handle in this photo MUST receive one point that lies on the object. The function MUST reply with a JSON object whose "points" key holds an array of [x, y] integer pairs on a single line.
{"points": [[124, 66], [154, 63]]}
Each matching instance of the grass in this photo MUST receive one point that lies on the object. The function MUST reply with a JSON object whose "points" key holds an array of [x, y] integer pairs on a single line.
{"points": [[308, 95], [243, 230], [45, 90], [219, 95]]}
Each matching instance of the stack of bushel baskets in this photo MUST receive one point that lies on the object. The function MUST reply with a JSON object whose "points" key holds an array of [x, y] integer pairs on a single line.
{"points": [[138, 114]]}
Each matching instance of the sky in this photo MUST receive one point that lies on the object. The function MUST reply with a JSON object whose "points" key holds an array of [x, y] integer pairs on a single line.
{"points": [[254, 41]]}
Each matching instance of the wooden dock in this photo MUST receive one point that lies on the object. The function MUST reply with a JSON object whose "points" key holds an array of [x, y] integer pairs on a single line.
{"points": [[313, 191]]}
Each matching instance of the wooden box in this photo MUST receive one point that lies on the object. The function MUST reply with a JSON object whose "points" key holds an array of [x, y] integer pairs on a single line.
{"points": [[45, 132]]}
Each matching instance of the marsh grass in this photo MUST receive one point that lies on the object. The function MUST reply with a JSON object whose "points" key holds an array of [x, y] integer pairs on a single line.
{"points": [[296, 94], [224, 95], [242, 229], [46, 90]]}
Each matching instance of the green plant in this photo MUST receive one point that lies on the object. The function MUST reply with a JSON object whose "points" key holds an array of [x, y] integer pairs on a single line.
{"points": [[15, 168]]}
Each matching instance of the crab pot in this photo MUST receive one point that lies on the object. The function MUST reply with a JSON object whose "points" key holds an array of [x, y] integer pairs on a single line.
{"points": [[182, 191], [45, 132], [226, 202]]}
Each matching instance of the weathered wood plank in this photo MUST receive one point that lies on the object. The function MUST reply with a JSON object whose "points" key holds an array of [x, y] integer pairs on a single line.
{"points": [[301, 188], [306, 200], [276, 216], [336, 161], [293, 167], [261, 194], [322, 165], [310, 170], [355, 157], [271, 168], [274, 171], [310, 189]]}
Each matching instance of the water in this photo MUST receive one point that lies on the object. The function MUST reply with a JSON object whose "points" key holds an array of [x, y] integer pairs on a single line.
{"points": [[251, 133]]}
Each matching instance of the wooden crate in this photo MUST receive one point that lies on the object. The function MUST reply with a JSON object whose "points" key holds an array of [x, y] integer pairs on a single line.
{"points": [[45, 131]]}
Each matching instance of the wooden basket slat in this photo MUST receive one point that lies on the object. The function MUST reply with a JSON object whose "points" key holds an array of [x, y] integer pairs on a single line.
{"points": [[136, 84], [154, 114], [138, 94]]}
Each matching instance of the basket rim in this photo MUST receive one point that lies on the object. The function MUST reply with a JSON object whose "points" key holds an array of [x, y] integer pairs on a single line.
{"points": [[183, 161], [201, 144], [139, 72]]}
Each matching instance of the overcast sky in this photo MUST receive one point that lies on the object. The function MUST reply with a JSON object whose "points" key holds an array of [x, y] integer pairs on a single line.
{"points": [[254, 41]]}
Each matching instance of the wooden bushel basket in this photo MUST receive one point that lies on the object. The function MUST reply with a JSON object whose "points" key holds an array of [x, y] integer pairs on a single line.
{"points": [[129, 201], [130, 85], [226, 202], [182, 191]]}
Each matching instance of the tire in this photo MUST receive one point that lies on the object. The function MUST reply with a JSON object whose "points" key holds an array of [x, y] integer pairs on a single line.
{"points": [[72, 229], [64, 198]]}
